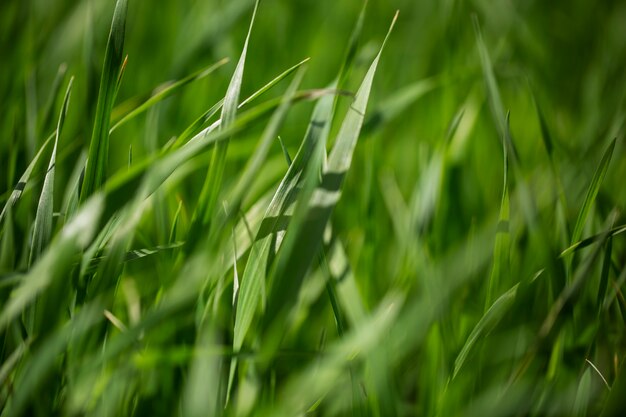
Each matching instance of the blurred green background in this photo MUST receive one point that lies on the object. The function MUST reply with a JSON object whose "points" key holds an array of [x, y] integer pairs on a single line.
{"points": [[417, 207]]}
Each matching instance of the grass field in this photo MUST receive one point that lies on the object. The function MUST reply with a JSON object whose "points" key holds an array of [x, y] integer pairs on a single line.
{"points": [[312, 208]]}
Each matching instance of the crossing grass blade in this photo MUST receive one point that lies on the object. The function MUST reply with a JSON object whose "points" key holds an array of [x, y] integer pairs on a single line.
{"points": [[252, 288], [312, 212], [207, 115], [97, 160], [166, 90], [42, 232]]}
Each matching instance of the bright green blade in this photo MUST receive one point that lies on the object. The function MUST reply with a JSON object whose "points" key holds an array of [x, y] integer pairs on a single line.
{"points": [[57, 261], [313, 211], [213, 183], [207, 115], [95, 172], [252, 288]]}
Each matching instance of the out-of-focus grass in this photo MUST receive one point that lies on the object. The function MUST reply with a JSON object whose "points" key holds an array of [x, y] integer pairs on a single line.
{"points": [[438, 230]]}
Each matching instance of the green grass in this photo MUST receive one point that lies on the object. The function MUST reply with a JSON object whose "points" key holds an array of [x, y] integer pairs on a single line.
{"points": [[312, 217]]}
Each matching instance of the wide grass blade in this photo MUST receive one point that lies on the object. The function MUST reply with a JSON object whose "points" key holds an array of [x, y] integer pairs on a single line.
{"points": [[313, 211], [95, 172], [252, 288], [43, 219], [57, 261]]}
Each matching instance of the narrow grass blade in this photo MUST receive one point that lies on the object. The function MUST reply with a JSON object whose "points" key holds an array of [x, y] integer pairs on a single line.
{"points": [[166, 90], [46, 118], [485, 325], [213, 183], [592, 192], [206, 116], [43, 219], [21, 184], [502, 244], [95, 173], [493, 92]]}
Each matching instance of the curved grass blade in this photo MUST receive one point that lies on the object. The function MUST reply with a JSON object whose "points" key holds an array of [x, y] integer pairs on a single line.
{"points": [[493, 92], [313, 211], [252, 288], [21, 184], [213, 183], [95, 172], [502, 244], [206, 116], [43, 219], [164, 91], [592, 192], [485, 325]]}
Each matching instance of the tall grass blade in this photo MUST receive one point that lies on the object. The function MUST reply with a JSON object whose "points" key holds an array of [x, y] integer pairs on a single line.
{"points": [[213, 183], [97, 160], [312, 212], [43, 219]]}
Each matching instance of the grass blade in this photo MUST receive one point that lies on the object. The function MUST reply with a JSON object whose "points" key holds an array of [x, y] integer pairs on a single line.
{"points": [[43, 219], [311, 214], [592, 192], [18, 190], [95, 173], [166, 90], [212, 185]]}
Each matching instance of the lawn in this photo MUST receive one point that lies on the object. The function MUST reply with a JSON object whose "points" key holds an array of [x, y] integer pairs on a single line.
{"points": [[312, 208]]}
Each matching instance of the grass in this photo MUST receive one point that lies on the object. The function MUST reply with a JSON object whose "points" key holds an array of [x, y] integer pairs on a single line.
{"points": [[427, 223]]}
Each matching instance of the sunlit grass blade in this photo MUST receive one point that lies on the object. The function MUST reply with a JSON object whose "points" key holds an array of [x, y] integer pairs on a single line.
{"points": [[207, 115], [56, 261], [213, 183], [312, 212], [42, 232], [97, 160], [252, 288], [166, 90]]}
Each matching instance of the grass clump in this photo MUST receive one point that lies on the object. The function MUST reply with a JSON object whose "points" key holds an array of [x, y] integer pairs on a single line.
{"points": [[447, 239]]}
